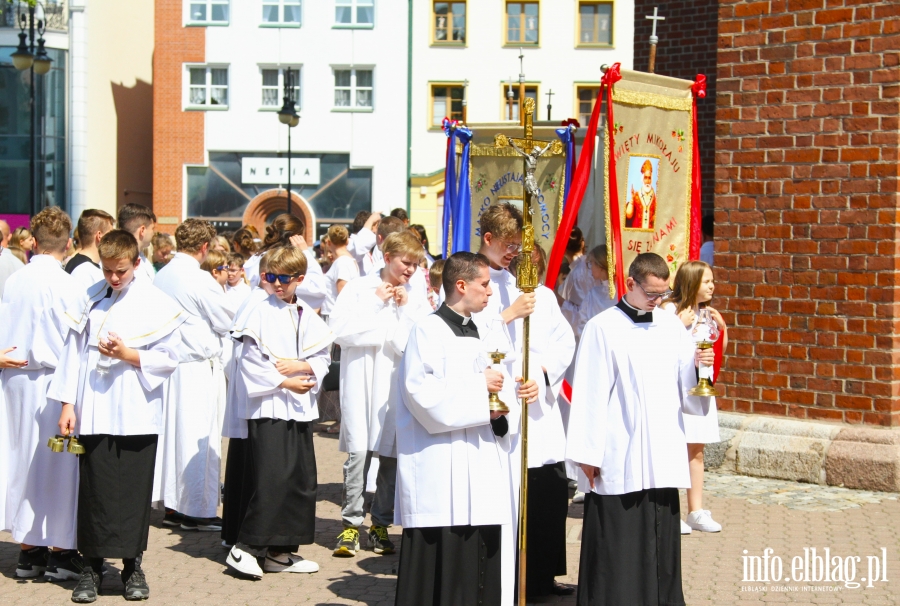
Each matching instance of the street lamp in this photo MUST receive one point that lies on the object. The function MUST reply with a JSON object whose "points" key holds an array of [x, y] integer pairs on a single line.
{"points": [[288, 115], [32, 56]]}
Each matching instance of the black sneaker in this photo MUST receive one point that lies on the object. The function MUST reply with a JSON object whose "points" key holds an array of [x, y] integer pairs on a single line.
{"points": [[202, 524], [32, 563], [64, 566], [136, 587], [88, 587], [378, 539], [173, 518]]}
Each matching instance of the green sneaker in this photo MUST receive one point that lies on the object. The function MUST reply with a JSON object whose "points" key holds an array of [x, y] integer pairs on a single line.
{"points": [[348, 543], [378, 539]]}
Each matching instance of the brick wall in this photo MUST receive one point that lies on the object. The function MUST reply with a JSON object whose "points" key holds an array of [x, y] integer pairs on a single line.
{"points": [[687, 47], [806, 207], [178, 136]]}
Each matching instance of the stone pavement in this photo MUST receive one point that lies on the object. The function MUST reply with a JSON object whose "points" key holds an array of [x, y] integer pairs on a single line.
{"points": [[189, 567]]}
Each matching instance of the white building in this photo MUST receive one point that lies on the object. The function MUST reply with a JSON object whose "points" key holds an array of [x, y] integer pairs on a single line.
{"points": [[471, 49]]}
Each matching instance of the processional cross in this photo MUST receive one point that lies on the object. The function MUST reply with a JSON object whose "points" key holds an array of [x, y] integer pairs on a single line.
{"points": [[527, 280], [653, 39]]}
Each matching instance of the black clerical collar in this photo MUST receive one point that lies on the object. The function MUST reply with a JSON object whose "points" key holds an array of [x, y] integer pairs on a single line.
{"points": [[460, 325], [638, 316]]}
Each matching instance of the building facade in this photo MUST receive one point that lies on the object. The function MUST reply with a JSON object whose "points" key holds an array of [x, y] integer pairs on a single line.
{"points": [[220, 150], [469, 51]]}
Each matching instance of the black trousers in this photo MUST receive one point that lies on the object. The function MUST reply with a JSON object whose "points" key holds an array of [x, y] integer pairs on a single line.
{"points": [[548, 507], [114, 491], [280, 476], [236, 498]]}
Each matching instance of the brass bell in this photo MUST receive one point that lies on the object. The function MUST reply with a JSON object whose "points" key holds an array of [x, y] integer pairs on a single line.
{"points": [[56, 444], [495, 404], [75, 446]]}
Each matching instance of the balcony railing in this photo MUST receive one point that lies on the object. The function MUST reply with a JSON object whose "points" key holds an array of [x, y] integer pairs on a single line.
{"points": [[55, 13]]}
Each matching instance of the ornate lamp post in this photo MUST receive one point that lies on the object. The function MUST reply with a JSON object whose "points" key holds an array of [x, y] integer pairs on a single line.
{"points": [[288, 115], [32, 55]]}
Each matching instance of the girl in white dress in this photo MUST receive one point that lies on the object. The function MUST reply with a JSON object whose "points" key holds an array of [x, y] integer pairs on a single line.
{"points": [[692, 291], [343, 268]]}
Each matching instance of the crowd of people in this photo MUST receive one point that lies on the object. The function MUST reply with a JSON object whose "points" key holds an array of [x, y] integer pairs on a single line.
{"points": [[141, 352]]}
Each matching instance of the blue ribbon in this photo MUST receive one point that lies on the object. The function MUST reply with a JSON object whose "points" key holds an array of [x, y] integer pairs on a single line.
{"points": [[449, 186], [567, 136], [462, 217]]}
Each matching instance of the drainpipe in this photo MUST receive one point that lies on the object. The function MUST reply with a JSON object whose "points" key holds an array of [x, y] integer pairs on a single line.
{"points": [[409, 49]]}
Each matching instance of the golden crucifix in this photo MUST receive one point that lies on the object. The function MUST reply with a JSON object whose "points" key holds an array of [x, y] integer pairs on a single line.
{"points": [[527, 281]]}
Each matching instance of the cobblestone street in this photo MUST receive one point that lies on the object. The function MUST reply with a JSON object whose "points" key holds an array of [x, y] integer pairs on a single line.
{"points": [[189, 567]]}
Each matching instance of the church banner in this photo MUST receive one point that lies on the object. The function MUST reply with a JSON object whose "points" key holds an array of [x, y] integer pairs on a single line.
{"points": [[650, 143], [496, 174]]}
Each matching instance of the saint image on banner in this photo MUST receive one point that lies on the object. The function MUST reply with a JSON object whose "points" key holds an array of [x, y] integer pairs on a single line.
{"points": [[640, 209]]}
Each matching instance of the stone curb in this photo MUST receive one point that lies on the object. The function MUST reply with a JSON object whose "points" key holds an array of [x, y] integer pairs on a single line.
{"points": [[807, 451]]}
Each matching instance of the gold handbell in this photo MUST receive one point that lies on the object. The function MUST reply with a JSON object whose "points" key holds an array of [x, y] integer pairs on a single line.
{"points": [[56, 443], [495, 404], [75, 446]]}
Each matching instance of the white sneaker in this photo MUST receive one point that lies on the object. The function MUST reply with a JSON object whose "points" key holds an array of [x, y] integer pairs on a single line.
{"points": [[702, 520], [244, 562], [288, 562], [578, 498], [685, 529]]}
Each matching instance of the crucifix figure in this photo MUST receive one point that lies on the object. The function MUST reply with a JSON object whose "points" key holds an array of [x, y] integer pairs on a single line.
{"points": [[531, 186], [550, 94], [653, 39]]}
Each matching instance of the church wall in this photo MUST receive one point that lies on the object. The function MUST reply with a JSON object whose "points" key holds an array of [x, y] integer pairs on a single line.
{"points": [[806, 196]]}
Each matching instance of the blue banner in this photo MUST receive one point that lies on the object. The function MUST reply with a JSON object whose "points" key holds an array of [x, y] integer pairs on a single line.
{"points": [[567, 136], [462, 215]]}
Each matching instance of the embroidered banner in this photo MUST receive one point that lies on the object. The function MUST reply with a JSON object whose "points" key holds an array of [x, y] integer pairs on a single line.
{"points": [[496, 174], [652, 147]]}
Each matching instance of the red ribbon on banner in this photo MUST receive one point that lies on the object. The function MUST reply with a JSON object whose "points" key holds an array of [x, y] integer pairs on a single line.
{"points": [[581, 176], [696, 233]]}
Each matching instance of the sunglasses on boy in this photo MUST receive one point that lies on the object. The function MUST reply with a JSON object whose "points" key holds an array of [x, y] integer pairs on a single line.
{"points": [[283, 278]]}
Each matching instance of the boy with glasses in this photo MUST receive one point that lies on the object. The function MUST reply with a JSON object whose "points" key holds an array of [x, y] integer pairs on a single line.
{"points": [[187, 479], [283, 359], [633, 372], [236, 286]]}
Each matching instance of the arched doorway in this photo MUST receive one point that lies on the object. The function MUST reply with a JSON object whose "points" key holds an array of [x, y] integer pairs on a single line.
{"points": [[269, 204]]}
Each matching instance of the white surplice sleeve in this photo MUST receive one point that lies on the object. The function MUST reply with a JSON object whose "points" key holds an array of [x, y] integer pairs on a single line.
{"points": [[313, 286], [415, 309], [159, 360], [258, 373], [561, 347], [354, 319], [442, 394], [595, 376], [361, 243], [319, 361], [64, 384], [216, 308]]}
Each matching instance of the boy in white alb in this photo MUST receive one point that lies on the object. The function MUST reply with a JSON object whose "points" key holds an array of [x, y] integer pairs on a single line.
{"points": [[453, 484], [283, 360], [93, 224], [188, 461], [42, 485], [372, 321], [121, 347], [140, 222]]}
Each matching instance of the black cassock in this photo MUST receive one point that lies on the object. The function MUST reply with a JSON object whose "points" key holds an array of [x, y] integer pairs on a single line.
{"points": [[631, 549]]}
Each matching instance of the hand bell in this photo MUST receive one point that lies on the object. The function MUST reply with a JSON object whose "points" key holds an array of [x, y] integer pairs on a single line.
{"points": [[56, 443], [75, 446]]}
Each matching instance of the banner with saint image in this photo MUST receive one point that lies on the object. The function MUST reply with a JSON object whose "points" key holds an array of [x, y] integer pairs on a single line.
{"points": [[652, 151]]}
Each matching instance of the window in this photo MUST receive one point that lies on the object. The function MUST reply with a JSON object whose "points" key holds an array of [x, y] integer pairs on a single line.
{"points": [[531, 91], [446, 102], [281, 12], [586, 96], [208, 11], [450, 22], [354, 13], [208, 87], [594, 22], [273, 87], [521, 22], [353, 88]]}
